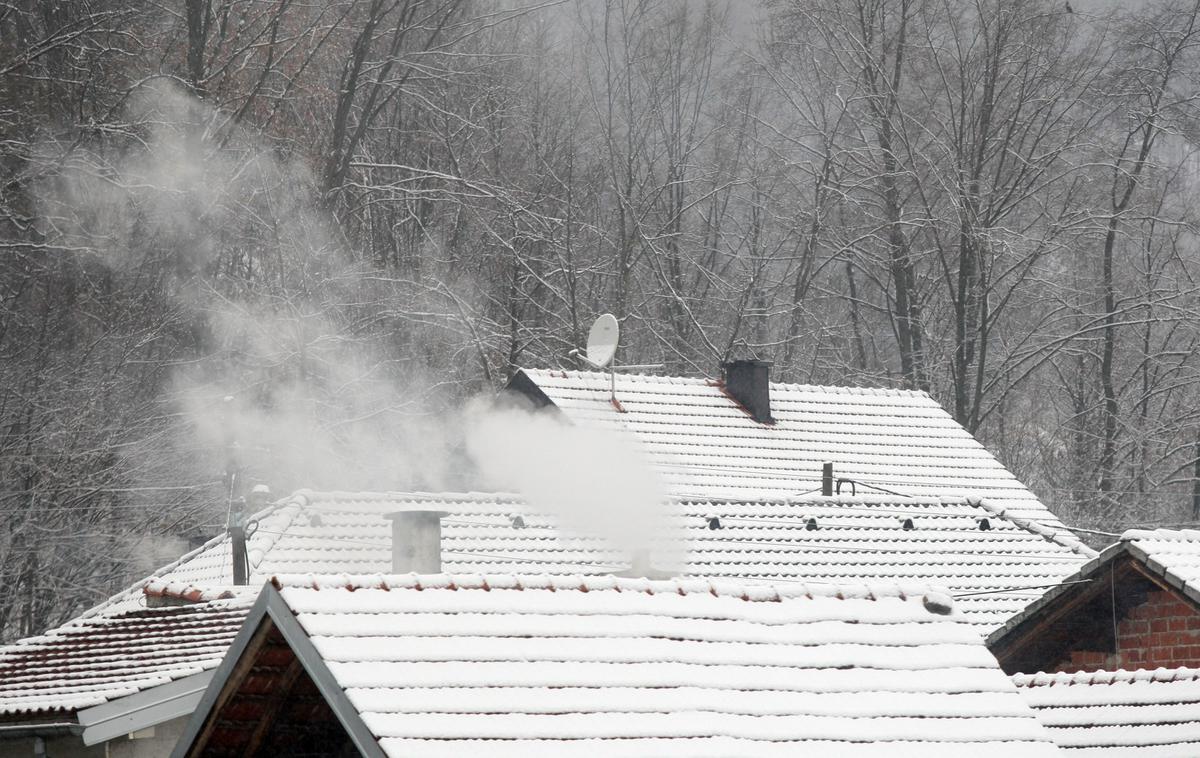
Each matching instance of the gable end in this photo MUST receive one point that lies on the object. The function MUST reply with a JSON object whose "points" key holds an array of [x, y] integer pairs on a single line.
{"points": [[250, 707], [1120, 615]]}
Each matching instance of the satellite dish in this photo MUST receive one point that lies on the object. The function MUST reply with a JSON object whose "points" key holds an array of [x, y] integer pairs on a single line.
{"points": [[602, 340]]}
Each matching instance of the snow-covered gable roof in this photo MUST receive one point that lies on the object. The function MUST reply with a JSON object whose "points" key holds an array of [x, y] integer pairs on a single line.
{"points": [[855, 540], [1172, 555], [1122, 714], [116, 653], [706, 445], [524, 665]]}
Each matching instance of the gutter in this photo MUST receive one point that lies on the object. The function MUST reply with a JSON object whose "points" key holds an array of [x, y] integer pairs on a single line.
{"points": [[48, 729]]}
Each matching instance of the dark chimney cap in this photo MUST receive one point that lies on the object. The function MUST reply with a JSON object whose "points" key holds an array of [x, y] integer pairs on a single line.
{"points": [[748, 381]]}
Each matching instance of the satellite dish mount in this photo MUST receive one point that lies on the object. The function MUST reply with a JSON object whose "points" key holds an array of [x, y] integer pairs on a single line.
{"points": [[602, 349]]}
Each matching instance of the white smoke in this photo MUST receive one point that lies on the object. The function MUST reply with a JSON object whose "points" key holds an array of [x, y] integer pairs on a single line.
{"points": [[594, 480]]}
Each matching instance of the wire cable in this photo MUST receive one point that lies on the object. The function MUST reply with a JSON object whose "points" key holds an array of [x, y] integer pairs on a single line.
{"points": [[1019, 589]]}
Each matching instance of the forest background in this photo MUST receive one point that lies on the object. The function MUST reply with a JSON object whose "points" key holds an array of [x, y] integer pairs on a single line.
{"points": [[352, 216]]}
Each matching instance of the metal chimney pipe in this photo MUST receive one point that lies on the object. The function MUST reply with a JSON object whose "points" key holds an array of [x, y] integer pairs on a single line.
{"points": [[827, 480], [237, 541], [416, 541]]}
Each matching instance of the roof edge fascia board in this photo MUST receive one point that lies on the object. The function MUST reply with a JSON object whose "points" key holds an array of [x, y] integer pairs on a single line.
{"points": [[143, 709], [271, 607]]}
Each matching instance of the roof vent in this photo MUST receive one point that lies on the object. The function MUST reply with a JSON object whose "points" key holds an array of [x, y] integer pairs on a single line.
{"points": [[714, 521], [516, 520], [416, 541], [985, 525], [811, 525], [748, 381], [907, 524]]}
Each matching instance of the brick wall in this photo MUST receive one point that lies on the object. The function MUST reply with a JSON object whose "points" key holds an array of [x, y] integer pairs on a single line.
{"points": [[1163, 631]]}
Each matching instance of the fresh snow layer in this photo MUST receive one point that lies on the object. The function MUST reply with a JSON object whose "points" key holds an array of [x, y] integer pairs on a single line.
{"points": [[859, 541], [509, 665], [1134, 714]]}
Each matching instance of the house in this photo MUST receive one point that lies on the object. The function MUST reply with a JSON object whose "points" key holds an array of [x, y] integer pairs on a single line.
{"points": [[1119, 714], [533, 665], [743, 437], [969, 547], [120, 680], [996, 561], [1120, 640], [1134, 606], [923, 504]]}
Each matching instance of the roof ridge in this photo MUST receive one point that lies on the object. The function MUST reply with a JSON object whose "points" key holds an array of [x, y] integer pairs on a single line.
{"points": [[138, 586], [315, 496], [1100, 676], [711, 381], [1167, 535], [763, 592], [864, 499], [191, 593]]}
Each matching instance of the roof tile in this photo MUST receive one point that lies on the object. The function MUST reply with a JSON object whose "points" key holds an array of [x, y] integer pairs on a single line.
{"points": [[110, 655], [637, 667], [702, 442]]}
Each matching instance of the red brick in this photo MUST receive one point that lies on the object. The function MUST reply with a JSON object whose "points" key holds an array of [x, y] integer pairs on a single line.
{"points": [[1133, 628], [1163, 631]]}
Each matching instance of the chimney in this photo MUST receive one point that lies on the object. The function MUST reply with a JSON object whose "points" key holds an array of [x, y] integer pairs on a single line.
{"points": [[416, 541], [237, 541], [748, 382], [240, 529]]}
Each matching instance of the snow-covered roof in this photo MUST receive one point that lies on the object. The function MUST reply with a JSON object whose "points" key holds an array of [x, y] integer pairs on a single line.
{"points": [[116, 653], [925, 541], [1122, 714], [447, 665], [1173, 555], [706, 445]]}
